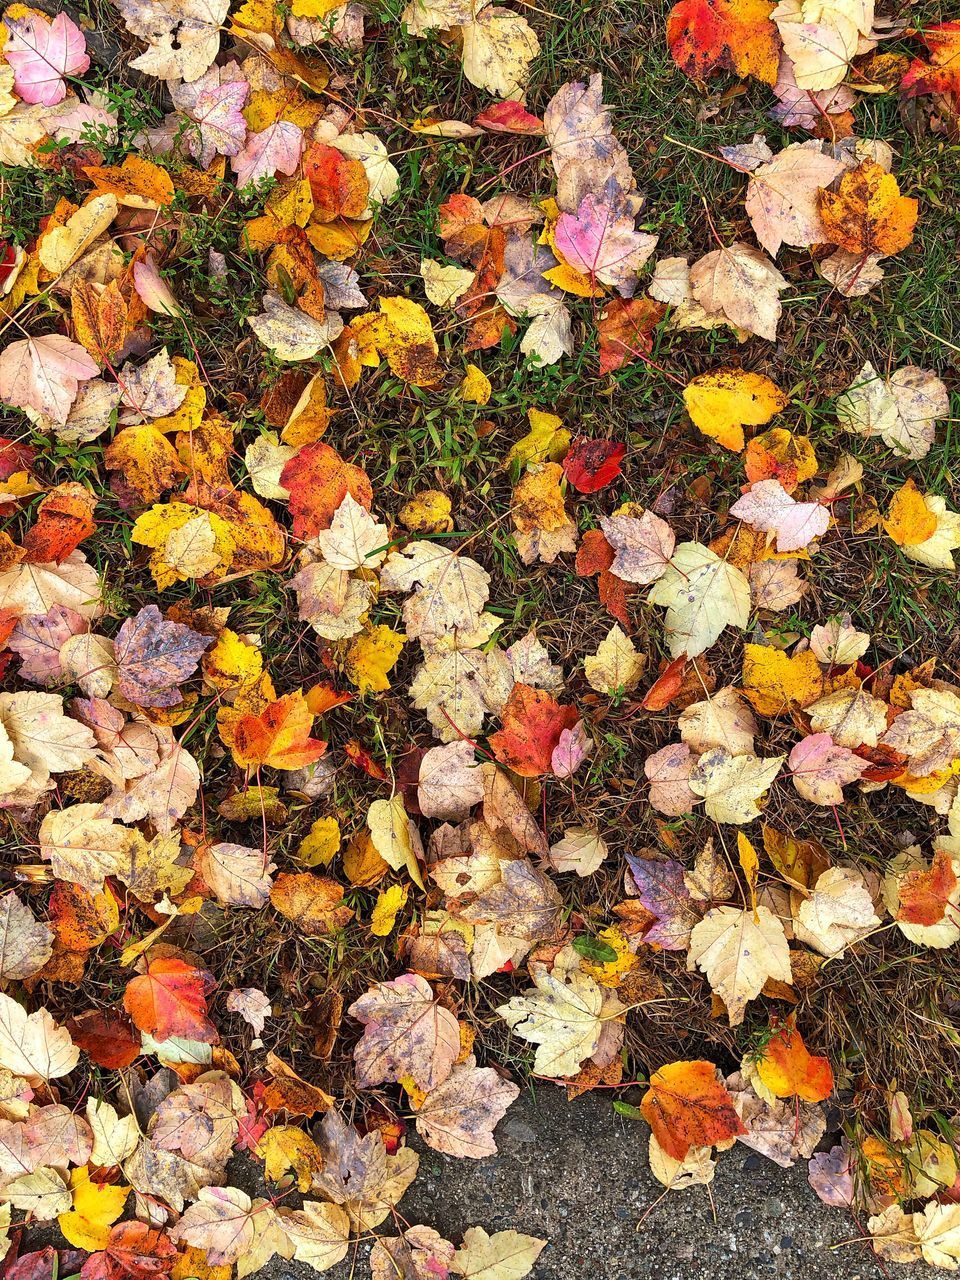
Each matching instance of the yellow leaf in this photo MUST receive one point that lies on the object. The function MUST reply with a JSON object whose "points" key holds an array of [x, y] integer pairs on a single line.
{"points": [[313, 8], [95, 1209], [910, 521], [61, 246], [777, 684], [750, 866], [320, 845], [370, 656], [427, 512], [232, 661], [475, 387], [187, 542], [721, 403], [146, 461], [546, 441], [190, 413], [610, 973], [395, 837], [388, 904], [285, 1147]]}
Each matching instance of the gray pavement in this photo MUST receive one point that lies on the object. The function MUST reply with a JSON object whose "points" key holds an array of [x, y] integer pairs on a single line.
{"points": [[576, 1175]]}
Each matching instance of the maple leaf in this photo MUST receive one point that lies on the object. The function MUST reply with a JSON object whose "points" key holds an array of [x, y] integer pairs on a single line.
{"points": [[732, 35], [702, 595], [789, 1070], [498, 47], [44, 374], [420, 1254], [940, 74], [903, 410], [278, 737], [722, 720], [625, 330], [169, 999], [590, 465], [239, 876], [133, 1251], [230, 1227], [107, 1037], [820, 42], [662, 890], [601, 242], [732, 786], [867, 214], [155, 656], [505, 1255], [314, 903], [783, 196], [838, 912], [183, 39], [739, 951], [687, 1106], [458, 1117], [781, 1131], [405, 1033], [532, 723], [741, 284], [320, 1233], [616, 666], [42, 53], [722, 402], [668, 773], [33, 1045], [291, 334], [449, 783], [777, 683], [643, 545], [319, 481], [820, 769], [560, 1014], [25, 944], [214, 105]]}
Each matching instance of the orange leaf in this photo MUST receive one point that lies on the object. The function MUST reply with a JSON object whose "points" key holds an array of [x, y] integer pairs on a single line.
{"points": [[789, 1070], [64, 519], [279, 737], [595, 556], [625, 329], [314, 903], [338, 183], [319, 480], [942, 73], [170, 1000], [99, 318], [687, 1106], [707, 36], [81, 919], [532, 724], [868, 214], [666, 686], [138, 182], [925, 893]]}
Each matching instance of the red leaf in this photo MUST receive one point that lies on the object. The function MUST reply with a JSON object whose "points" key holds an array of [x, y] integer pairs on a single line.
{"points": [[106, 1036], [590, 465], [532, 724], [508, 117], [134, 1251], [319, 480], [666, 686], [170, 1000], [361, 758], [14, 457]]}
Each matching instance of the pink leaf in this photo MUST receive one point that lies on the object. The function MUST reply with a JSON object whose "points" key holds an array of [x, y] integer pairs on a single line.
{"points": [[276, 149], [768, 507], [42, 53], [821, 769]]}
